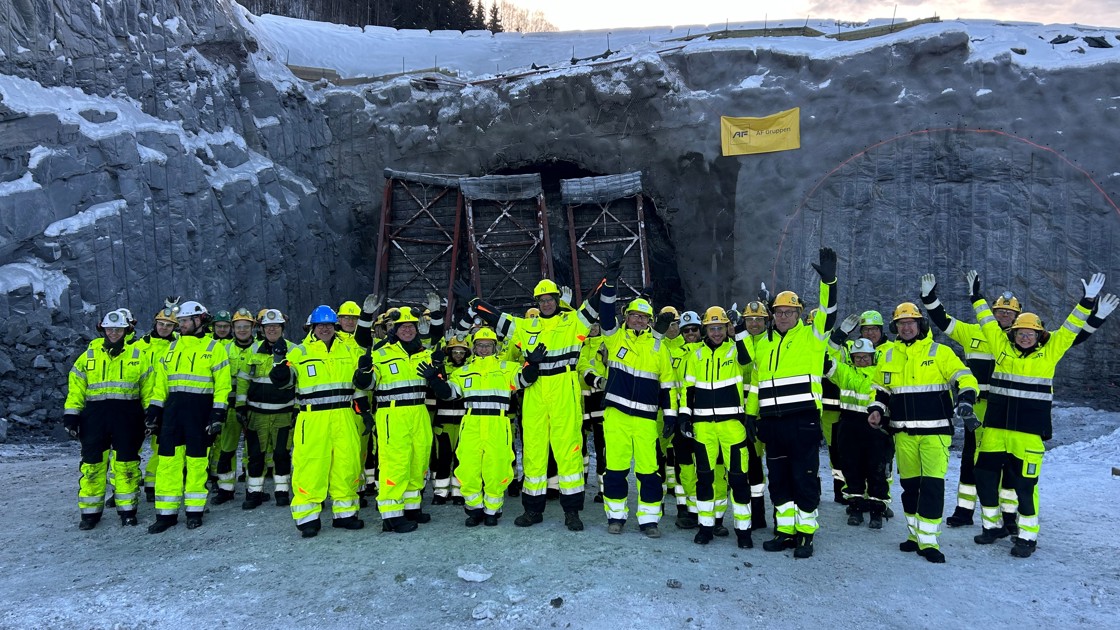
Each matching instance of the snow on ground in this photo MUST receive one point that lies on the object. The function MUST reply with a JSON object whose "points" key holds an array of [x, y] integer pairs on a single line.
{"points": [[378, 51], [252, 570], [48, 284]]}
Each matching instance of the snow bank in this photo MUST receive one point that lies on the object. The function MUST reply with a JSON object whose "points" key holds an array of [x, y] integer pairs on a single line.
{"points": [[48, 284], [85, 218], [24, 184]]}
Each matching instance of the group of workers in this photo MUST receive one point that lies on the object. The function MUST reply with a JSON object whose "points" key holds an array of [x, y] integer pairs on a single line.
{"points": [[372, 404]]}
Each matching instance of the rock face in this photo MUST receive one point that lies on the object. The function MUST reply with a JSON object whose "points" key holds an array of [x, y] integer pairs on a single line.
{"points": [[189, 161]]}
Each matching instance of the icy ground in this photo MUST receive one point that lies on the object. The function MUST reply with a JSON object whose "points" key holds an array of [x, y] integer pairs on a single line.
{"points": [[252, 570]]}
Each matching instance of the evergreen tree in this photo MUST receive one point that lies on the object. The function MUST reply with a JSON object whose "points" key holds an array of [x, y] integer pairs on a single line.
{"points": [[478, 16], [494, 24]]}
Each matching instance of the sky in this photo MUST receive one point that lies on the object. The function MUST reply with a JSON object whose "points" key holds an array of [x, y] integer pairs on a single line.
{"points": [[606, 14]]}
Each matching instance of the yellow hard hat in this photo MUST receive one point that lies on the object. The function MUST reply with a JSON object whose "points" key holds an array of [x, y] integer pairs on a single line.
{"points": [[457, 341], [714, 315], [243, 315], [260, 314], [906, 310], [167, 315], [483, 334], [1009, 301], [532, 312], [545, 287], [788, 298], [640, 306], [1029, 321], [349, 308], [404, 316], [670, 309], [756, 309]]}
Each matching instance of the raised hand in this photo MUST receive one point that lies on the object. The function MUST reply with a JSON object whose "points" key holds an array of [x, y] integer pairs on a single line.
{"points": [[929, 285], [826, 268], [1093, 286]]}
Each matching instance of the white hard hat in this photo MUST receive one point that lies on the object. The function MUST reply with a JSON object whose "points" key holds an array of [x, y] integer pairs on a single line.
{"points": [[273, 316], [689, 318], [190, 308], [862, 346], [115, 319]]}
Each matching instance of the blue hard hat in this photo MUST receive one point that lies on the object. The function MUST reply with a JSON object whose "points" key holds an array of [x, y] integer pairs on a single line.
{"points": [[323, 314]]}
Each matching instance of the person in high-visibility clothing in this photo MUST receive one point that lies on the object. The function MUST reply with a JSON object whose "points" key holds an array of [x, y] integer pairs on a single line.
{"points": [[325, 457], [592, 368], [913, 398], [666, 328], [684, 448], [189, 404], [404, 426], [712, 412], [265, 410], [640, 381], [785, 395], [1018, 420], [551, 410], [446, 426], [485, 448], [155, 344], [756, 321], [109, 386], [830, 415], [238, 349]]}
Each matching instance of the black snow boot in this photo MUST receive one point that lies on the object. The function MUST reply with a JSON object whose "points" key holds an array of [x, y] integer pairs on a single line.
{"points": [[961, 517], [1023, 548], [399, 525], [758, 513], [780, 542], [932, 554], [1011, 523], [804, 546], [719, 529], [875, 515], [162, 524], [704, 536], [908, 546], [89, 521], [128, 518], [348, 522], [491, 520], [460, 501], [194, 520], [686, 519], [838, 493], [253, 500], [222, 496], [573, 522], [439, 499], [989, 536], [743, 539], [283, 499], [514, 488], [855, 512], [528, 519], [474, 518], [416, 516], [310, 529]]}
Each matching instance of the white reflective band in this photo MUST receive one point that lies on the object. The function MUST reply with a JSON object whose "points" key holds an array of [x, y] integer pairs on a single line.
{"points": [[831, 401], [629, 403], [622, 367], [808, 519], [770, 401], [959, 374], [271, 406], [735, 380], [919, 389], [1027, 380], [1007, 493], [792, 380], [932, 305], [716, 411], [979, 356], [919, 424], [987, 319], [1016, 393]]}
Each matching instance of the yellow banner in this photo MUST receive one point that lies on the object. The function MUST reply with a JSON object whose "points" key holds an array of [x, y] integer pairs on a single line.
{"points": [[777, 132]]}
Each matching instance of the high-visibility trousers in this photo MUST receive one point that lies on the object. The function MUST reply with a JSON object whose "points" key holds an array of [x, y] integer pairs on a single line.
{"points": [[726, 438], [629, 438], [325, 460], [923, 461], [182, 446], [1009, 458], [485, 455], [404, 448], [268, 435], [552, 415]]}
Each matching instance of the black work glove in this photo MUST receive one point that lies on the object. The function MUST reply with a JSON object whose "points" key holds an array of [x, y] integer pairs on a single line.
{"points": [[967, 416], [764, 295], [670, 427], [438, 356], [279, 351], [427, 371], [217, 420], [365, 362], [663, 322], [71, 422], [242, 415], [733, 314], [612, 270], [537, 355], [751, 425], [684, 424], [464, 292], [391, 335], [152, 419], [367, 420], [826, 268]]}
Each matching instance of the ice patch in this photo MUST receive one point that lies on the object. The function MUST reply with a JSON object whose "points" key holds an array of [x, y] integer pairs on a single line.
{"points": [[47, 284], [37, 155], [753, 82], [270, 121], [97, 12], [85, 218], [172, 24], [826, 83], [948, 91], [24, 184], [148, 154], [983, 92], [273, 204]]}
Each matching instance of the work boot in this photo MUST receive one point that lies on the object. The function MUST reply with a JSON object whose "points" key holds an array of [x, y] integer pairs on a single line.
{"points": [[241, 477], [194, 521], [758, 513], [932, 554], [598, 498], [855, 513], [363, 502], [514, 488], [128, 519], [1010, 523], [888, 512], [875, 520], [743, 539], [458, 501], [528, 519], [253, 500], [686, 520], [222, 496], [615, 527], [162, 524], [1023, 548], [961, 517], [348, 522], [416, 516], [780, 542], [650, 530], [89, 521], [149, 494], [283, 499], [989, 536], [111, 502], [399, 525], [474, 518], [439, 499], [908, 546], [310, 529], [573, 522], [837, 494], [804, 546], [491, 520], [719, 529], [704, 536]]}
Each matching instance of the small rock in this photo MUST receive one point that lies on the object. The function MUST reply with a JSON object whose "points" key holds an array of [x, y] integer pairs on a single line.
{"points": [[748, 565], [486, 610], [673, 583], [705, 587], [41, 362], [516, 596], [474, 573], [693, 560], [557, 602]]}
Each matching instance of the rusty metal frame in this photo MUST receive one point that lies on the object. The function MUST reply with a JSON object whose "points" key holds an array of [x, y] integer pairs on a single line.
{"points": [[582, 242], [480, 251]]}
